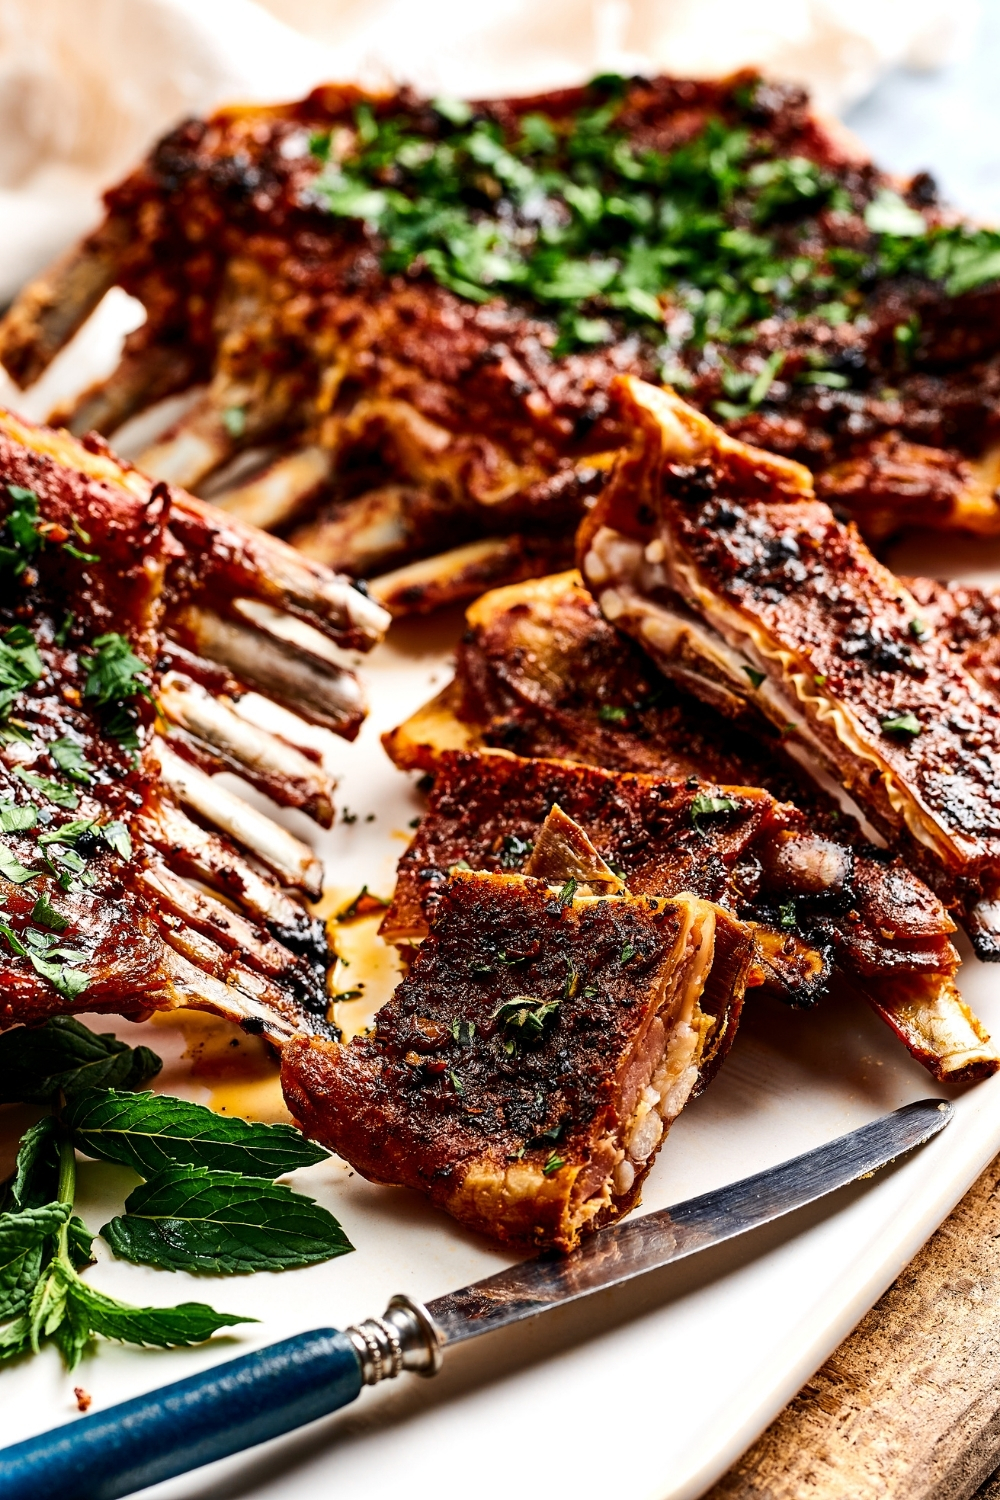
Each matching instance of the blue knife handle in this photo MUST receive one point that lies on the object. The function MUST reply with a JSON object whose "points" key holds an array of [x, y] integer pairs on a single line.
{"points": [[182, 1426]]}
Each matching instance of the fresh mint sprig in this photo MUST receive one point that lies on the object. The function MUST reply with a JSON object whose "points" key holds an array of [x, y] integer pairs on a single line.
{"points": [[209, 1203]]}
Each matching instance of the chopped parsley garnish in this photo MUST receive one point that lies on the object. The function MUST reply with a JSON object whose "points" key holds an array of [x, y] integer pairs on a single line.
{"points": [[45, 914], [919, 629], [463, 1032], [628, 951], [570, 216], [610, 713], [756, 678], [23, 538], [552, 1165], [902, 724], [114, 672], [70, 759], [11, 867], [20, 665], [565, 896], [53, 791], [26, 533], [115, 676], [48, 958], [786, 914]]}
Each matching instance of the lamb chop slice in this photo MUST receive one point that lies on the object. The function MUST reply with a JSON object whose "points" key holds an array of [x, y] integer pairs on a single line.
{"points": [[737, 581], [526, 1070], [113, 897], [542, 673], [419, 309], [822, 910]]}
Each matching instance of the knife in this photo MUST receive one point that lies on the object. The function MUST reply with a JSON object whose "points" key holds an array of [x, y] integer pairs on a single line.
{"points": [[245, 1401]]}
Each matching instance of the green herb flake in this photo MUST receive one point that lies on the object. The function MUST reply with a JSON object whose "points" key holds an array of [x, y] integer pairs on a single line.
{"points": [[117, 838], [566, 894], [515, 851], [21, 529], [11, 867], [364, 904], [629, 950], [907, 724], [114, 672], [609, 713], [525, 1018], [17, 817], [552, 1165], [20, 666], [756, 678], [70, 759], [234, 420], [786, 914], [707, 806], [887, 213], [52, 791], [919, 629], [45, 914]]}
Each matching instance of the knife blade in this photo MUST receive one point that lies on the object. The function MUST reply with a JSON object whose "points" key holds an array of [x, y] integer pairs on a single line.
{"points": [[246, 1401]]}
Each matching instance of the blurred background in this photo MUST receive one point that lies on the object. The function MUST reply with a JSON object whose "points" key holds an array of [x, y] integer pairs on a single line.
{"points": [[86, 85]]}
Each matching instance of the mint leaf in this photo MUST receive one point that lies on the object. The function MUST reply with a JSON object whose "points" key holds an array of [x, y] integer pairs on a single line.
{"points": [[189, 1219], [79, 1243], [15, 1339], [63, 1054], [150, 1132], [35, 1180], [162, 1327], [23, 1237]]}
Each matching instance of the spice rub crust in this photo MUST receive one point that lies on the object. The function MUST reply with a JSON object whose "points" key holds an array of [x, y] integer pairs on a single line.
{"points": [[525, 1070]]}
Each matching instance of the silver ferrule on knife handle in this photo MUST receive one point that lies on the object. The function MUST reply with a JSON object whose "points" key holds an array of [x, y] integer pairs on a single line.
{"points": [[404, 1338]]}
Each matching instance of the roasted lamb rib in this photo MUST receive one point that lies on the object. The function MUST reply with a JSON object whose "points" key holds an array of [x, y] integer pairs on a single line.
{"points": [[418, 309], [540, 672], [525, 1071], [747, 590], [130, 879]]}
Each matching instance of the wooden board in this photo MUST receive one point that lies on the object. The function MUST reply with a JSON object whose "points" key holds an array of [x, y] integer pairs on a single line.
{"points": [[909, 1406]]}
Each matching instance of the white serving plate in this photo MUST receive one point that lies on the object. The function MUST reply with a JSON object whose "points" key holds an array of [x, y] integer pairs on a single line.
{"points": [[650, 1391]]}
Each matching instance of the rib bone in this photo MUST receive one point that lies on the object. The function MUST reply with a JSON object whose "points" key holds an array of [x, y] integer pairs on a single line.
{"points": [[51, 309], [280, 850], [281, 771], [193, 850], [273, 497], [319, 692]]}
